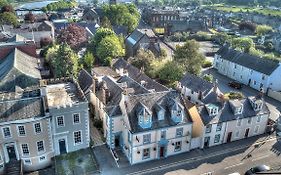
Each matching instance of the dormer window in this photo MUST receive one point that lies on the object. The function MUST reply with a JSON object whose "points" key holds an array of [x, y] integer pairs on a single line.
{"points": [[176, 112], [212, 109], [160, 112], [144, 117]]}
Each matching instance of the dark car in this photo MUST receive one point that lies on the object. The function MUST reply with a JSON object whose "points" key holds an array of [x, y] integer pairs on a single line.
{"points": [[235, 84], [257, 169]]}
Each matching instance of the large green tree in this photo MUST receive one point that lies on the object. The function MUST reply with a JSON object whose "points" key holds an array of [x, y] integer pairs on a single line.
{"points": [[143, 59], [8, 18], [170, 73], [63, 60], [243, 44], [189, 57], [88, 60]]}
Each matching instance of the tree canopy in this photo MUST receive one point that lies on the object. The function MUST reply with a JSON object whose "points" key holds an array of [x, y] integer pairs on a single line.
{"points": [[263, 29], [189, 57], [243, 44], [60, 5], [170, 73], [8, 18], [63, 61], [74, 35]]}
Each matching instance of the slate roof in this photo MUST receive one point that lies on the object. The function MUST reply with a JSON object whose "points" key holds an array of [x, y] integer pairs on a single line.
{"points": [[226, 110], [137, 35], [19, 69], [151, 101], [263, 65], [20, 108], [138, 76], [84, 80], [104, 70], [196, 83]]}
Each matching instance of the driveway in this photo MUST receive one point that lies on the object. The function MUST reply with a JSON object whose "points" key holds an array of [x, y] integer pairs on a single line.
{"points": [[273, 105]]}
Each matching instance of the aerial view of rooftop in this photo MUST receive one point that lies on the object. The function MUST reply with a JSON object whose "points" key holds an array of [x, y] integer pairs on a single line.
{"points": [[140, 87]]}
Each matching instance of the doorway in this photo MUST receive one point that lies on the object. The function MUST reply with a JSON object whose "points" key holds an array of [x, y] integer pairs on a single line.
{"points": [[117, 141], [62, 146], [249, 83], [206, 141], [162, 149], [11, 152], [229, 136], [247, 132]]}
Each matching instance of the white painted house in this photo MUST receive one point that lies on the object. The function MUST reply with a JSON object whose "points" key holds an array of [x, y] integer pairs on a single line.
{"points": [[259, 73]]}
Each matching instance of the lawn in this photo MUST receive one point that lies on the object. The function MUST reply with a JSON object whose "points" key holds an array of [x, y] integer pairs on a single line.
{"points": [[236, 9]]}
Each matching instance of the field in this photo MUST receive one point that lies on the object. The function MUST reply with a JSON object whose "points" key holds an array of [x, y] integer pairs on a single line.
{"points": [[236, 9]]}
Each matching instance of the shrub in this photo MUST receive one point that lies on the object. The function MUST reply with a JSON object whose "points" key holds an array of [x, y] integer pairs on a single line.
{"points": [[207, 64], [208, 77]]}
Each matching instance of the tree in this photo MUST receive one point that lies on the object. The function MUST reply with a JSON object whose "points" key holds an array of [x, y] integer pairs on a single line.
{"points": [[7, 8], [105, 23], [263, 29], [143, 59], [45, 41], [29, 17], [74, 35], [188, 57], [247, 25], [243, 44], [208, 77], [3, 3], [64, 62], [8, 18], [88, 60], [170, 73], [109, 48], [99, 36]]}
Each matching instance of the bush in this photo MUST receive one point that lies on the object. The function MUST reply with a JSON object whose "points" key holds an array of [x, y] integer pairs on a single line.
{"points": [[234, 95], [98, 123], [207, 64], [208, 77]]}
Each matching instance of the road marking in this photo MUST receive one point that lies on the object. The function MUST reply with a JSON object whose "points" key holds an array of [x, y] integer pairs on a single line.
{"points": [[261, 157], [231, 166]]}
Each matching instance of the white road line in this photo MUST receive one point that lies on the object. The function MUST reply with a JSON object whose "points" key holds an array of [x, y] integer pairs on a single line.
{"points": [[261, 157], [233, 165]]}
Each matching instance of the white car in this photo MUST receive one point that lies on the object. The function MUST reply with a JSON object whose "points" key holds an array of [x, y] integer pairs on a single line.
{"points": [[235, 174]]}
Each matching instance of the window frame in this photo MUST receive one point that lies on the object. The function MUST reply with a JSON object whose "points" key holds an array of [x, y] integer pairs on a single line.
{"points": [[257, 128], [179, 130], [217, 138], [34, 126], [146, 138], [43, 145], [148, 153], [22, 149], [18, 130], [239, 122], [259, 118], [3, 132], [208, 130], [57, 121], [178, 146], [81, 138], [219, 127], [79, 118]]}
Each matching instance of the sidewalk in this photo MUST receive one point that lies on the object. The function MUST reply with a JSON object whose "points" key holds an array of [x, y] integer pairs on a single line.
{"points": [[232, 148]]}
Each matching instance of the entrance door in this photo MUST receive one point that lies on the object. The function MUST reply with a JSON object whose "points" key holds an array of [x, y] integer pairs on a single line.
{"points": [[62, 146], [206, 141], [11, 152], [117, 141], [249, 83], [229, 137], [247, 132], [162, 151]]}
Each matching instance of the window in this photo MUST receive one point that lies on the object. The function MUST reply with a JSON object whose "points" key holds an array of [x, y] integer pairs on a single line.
{"points": [[257, 129], [146, 153], [146, 138], [37, 128], [60, 121], [129, 137], [177, 146], [235, 66], [7, 132], [40, 146], [25, 150], [42, 158], [179, 132], [263, 77], [77, 137], [217, 138], [219, 126], [163, 134], [208, 128], [239, 121], [258, 118], [21, 130], [76, 118], [249, 120], [237, 134], [27, 161]]}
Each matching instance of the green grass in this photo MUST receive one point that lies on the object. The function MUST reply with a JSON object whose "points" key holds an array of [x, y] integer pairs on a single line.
{"points": [[236, 9]]}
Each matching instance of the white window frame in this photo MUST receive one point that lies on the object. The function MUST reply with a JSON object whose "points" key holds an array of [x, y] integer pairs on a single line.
{"points": [[59, 126], [79, 116], [237, 133], [43, 147], [257, 129], [35, 128], [239, 122], [259, 119], [19, 131], [27, 149], [4, 133], [75, 144]]}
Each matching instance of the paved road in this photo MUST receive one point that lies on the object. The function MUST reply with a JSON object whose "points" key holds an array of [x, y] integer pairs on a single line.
{"points": [[273, 105], [197, 161]]}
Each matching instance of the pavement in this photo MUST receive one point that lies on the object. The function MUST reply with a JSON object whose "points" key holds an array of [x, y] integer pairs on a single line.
{"points": [[192, 160]]}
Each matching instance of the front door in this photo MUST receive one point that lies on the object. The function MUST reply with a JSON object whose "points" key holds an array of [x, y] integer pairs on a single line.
{"points": [[162, 151], [117, 141], [62, 146], [249, 83], [206, 141], [247, 132], [229, 137], [11, 152]]}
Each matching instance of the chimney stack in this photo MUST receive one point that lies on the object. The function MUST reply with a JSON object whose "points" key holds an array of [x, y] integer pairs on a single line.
{"points": [[95, 83], [215, 84], [105, 93]]}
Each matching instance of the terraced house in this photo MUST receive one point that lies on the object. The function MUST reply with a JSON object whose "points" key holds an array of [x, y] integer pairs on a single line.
{"points": [[141, 118], [39, 123]]}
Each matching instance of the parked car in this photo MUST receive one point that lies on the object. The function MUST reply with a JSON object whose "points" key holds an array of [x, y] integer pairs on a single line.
{"points": [[235, 84], [257, 169], [235, 173]]}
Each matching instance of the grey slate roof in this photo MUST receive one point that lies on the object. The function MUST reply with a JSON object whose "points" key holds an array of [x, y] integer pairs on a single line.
{"points": [[196, 83], [104, 70], [226, 111], [138, 76], [21, 108], [263, 65], [84, 80], [151, 101], [19, 69]]}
